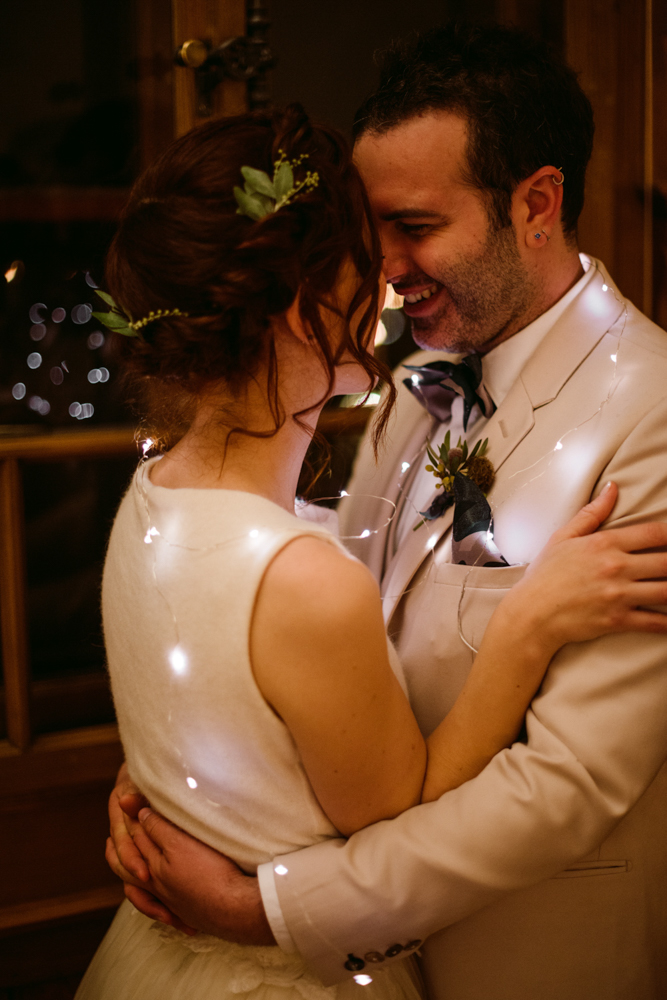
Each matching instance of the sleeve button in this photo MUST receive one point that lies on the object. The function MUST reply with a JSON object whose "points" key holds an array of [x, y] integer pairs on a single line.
{"points": [[354, 964], [395, 949], [374, 956]]}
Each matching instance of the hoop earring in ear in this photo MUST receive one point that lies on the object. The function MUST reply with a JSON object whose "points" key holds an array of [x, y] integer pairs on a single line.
{"points": [[562, 178]]}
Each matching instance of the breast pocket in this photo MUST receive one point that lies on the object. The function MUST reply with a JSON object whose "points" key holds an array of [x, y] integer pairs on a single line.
{"points": [[603, 866], [474, 594], [446, 610]]}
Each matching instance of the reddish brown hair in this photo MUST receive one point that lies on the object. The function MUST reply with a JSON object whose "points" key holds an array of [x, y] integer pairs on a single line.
{"points": [[181, 244]]}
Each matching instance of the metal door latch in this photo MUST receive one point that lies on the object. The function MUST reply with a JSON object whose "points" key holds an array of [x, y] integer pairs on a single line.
{"points": [[246, 58]]}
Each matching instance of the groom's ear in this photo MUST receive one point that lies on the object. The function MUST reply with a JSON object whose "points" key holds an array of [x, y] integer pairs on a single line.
{"points": [[536, 207]]}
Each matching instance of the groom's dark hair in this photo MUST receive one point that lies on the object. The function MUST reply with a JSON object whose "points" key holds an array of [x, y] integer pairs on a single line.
{"points": [[523, 104]]}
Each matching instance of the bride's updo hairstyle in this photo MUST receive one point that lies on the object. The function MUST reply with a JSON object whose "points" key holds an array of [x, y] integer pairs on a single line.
{"points": [[182, 245]]}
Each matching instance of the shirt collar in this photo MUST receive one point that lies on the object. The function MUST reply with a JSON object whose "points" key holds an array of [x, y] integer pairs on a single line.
{"points": [[503, 364]]}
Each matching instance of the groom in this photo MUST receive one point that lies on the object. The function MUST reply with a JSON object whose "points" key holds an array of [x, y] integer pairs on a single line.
{"points": [[544, 878]]}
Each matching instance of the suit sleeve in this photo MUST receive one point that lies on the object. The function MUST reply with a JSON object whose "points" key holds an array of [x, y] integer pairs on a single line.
{"points": [[597, 736]]}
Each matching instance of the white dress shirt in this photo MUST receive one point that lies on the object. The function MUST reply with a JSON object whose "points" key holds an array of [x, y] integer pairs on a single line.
{"points": [[502, 366]]}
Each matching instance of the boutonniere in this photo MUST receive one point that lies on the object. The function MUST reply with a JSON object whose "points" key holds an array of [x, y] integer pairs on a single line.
{"points": [[447, 463]]}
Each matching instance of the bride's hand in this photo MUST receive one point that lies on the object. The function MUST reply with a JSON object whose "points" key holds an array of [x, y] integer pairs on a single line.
{"points": [[585, 584]]}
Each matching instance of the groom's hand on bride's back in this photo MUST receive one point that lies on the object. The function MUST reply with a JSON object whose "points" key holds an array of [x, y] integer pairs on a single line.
{"points": [[177, 879]]}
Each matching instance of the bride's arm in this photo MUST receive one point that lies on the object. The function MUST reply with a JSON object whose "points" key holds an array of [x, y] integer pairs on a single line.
{"points": [[319, 655]]}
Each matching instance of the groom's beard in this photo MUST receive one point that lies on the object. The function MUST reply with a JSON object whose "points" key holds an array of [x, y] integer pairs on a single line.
{"points": [[482, 294]]}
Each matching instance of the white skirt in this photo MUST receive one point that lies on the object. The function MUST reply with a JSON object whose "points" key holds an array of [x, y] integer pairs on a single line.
{"points": [[140, 959]]}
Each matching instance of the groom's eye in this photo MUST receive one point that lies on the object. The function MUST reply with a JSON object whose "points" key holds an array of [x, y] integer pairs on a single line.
{"points": [[417, 229]]}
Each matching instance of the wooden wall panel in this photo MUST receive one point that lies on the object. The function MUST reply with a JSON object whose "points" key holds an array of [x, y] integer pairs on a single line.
{"points": [[155, 73], [606, 44]]}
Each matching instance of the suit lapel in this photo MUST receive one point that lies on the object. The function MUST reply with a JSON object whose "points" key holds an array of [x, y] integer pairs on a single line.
{"points": [[564, 348]]}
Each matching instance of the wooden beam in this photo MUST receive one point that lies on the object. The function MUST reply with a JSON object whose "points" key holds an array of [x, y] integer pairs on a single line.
{"points": [[62, 204], [40, 910], [87, 756], [15, 660], [98, 442]]}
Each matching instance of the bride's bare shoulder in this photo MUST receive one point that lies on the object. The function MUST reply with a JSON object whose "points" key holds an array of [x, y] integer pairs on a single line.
{"points": [[314, 572], [317, 619]]}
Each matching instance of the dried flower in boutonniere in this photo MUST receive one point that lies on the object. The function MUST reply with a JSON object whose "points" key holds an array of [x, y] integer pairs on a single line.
{"points": [[446, 463]]}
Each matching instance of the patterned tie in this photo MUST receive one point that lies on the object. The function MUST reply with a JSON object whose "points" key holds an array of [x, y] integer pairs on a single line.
{"points": [[436, 384]]}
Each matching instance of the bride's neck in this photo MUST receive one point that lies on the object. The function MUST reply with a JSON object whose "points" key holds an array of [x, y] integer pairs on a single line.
{"points": [[209, 457]]}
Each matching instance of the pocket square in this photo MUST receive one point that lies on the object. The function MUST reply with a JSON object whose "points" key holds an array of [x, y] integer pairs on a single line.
{"points": [[472, 533]]}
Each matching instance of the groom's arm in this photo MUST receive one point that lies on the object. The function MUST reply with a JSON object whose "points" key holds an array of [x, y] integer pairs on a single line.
{"points": [[597, 736]]}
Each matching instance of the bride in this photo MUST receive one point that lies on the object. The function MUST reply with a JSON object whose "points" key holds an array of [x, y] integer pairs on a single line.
{"points": [[260, 705]]}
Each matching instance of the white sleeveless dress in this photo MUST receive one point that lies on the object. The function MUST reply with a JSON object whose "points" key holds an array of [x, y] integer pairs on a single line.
{"points": [[180, 582]]}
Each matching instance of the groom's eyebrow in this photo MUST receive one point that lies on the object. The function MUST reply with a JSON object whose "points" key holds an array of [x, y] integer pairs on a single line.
{"points": [[410, 213]]}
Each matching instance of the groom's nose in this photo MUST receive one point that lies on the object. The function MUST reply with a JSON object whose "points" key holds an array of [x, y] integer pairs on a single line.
{"points": [[397, 262]]}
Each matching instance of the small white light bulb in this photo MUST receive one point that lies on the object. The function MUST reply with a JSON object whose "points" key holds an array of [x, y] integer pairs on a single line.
{"points": [[431, 542], [365, 533], [559, 445], [344, 493], [280, 870], [363, 980], [147, 445], [254, 533], [415, 379], [405, 466], [605, 288], [191, 782], [178, 660], [613, 357]]}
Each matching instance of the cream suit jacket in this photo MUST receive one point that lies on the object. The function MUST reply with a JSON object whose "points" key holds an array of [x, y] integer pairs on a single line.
{"points": [[544, 878]]}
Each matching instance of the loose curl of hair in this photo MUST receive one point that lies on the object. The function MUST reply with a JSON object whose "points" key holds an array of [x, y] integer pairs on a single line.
{"points": [[182, 245]]}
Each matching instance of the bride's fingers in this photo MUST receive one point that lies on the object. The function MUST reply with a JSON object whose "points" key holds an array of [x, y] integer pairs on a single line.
{"points": [[159, 832], [647, 566], [644, 621], [119, 869], [647, 594], [132, 802], [652, 535], [149, 905], [590, 517], [149, 849], [123, 844]]}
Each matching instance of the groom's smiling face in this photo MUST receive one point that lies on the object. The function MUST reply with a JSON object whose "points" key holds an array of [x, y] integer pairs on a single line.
{"points": [[465, 282]]}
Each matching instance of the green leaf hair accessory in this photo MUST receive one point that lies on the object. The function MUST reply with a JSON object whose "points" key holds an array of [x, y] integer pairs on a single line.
{"points": [[261, 196], [117, 321]]}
